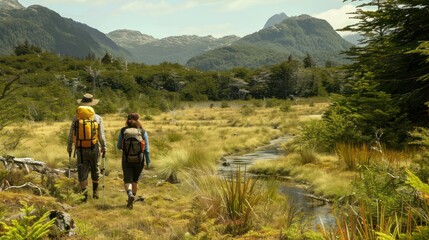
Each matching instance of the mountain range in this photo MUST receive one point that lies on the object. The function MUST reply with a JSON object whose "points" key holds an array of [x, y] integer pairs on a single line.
{"points": [[177, 49], [281, 37], [45, 28], [293, 37]]}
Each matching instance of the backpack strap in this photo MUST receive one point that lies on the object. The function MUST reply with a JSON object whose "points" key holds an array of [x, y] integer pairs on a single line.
{"points": [[122, 135]]}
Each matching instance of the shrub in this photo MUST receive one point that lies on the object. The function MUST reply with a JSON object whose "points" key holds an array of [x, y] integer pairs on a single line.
{"points": [[286, 106], [28, 227], [224, 105], [272, 102], [247, 111]]}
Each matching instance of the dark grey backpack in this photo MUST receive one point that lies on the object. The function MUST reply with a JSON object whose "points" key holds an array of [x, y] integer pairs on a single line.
{"points": [[133, 144]]}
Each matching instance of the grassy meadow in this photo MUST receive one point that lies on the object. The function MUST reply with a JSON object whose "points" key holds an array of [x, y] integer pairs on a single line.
{"points": [[186, 144]]}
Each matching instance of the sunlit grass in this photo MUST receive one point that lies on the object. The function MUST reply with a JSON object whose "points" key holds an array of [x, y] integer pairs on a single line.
{"points": [[352, 156], [186, 141], [324, 175]]}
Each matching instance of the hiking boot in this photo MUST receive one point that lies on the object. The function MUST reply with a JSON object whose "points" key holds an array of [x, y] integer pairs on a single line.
{"points": [[95, 190], [130, 201], [85, 196], [95, 194]]}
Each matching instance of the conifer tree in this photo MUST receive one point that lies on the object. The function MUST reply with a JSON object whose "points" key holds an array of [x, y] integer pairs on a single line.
{"points": [[393, 32]]}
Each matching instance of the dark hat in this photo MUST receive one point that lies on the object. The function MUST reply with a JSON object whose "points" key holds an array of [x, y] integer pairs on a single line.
{"points": [[88, 100]]}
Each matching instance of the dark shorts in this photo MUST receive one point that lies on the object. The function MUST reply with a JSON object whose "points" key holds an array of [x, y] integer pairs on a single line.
{"points": [[132, 171], [88, 161]]}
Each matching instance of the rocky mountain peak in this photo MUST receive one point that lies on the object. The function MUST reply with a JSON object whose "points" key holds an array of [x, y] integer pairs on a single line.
{"points": [[276, 19], [125, 37], [10, 4]]}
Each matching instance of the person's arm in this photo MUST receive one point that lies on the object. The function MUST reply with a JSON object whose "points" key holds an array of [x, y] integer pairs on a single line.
{"points": [[101, 134], [119, 144], [146, 150]]}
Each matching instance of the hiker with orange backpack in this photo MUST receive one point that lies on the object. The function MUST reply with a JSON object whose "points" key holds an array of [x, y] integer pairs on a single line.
{"points": [[87, 136], [134, 143]]}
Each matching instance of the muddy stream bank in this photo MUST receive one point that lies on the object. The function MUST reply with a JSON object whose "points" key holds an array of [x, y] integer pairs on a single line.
{"points": [[314, 212]]}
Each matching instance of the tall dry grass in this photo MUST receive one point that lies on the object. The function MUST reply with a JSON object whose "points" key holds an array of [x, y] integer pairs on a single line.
{"points": [[186, 141], [352, 156]]}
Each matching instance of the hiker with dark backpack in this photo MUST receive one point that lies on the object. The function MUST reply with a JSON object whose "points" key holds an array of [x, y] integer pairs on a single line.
{"points": [[87, 136], [134, 143]]}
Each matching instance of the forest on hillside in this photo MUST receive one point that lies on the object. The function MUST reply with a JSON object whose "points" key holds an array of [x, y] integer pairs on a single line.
{"points": [[43, 86]]}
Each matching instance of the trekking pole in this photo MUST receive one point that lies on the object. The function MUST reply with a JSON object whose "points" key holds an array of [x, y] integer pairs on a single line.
{"points": [[68, 174], [104, 172]]}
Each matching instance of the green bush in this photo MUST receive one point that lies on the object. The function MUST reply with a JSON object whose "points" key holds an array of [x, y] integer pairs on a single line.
{"points": [[224, 105], [247, 111], [28, 227], [286, 106], [272, 102]]}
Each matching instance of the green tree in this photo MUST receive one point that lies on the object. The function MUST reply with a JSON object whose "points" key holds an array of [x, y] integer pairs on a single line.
{"points": [[107, 59], [393, 33], [309, 61], [26, 48], [365, 115], [283, 78]]}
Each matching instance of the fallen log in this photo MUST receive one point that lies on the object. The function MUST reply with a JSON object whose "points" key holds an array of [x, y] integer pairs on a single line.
{"points": [[325, 200], [28, 164]]}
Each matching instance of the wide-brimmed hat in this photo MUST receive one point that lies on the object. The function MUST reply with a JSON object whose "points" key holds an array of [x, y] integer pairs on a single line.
{"points": [[88, 100]]}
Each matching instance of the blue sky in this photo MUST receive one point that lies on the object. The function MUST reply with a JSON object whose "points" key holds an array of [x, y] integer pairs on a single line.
{"points": [[163, 18]]}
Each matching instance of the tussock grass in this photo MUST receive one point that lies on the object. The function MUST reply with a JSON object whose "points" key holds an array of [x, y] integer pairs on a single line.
{"points": [[352, 156], [187, 142], [231, 199], [308, 155]]}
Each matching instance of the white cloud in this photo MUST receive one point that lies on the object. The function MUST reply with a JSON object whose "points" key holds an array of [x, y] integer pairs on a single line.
{"points": [[338, 18]]}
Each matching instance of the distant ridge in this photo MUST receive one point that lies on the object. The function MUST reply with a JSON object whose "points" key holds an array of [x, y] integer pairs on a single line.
{"points": [[176, 49], [10, 4], [47, 29], [130, 38], [294, 36]]}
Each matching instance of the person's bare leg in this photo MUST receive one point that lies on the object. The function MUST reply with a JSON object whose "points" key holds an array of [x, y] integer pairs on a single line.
{"points": [[134, 188], [128, 189]]}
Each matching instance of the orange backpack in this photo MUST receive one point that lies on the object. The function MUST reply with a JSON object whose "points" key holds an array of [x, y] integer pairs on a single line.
{"points": [[85, 132]]}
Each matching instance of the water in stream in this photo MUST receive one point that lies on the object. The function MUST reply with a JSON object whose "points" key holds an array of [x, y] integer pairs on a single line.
{"points": [[313, 210]]}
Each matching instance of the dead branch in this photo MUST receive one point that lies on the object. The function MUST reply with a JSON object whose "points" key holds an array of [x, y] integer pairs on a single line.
{"points": [[23, 163], [28, 164], [27, 184], [325, 200]]}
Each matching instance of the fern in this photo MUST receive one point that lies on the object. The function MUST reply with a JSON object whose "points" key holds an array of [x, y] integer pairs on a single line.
{"points": [[416, 183]]}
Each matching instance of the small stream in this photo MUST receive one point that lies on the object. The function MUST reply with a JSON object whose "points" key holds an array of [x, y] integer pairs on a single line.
{"points": [[313, 210]]}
